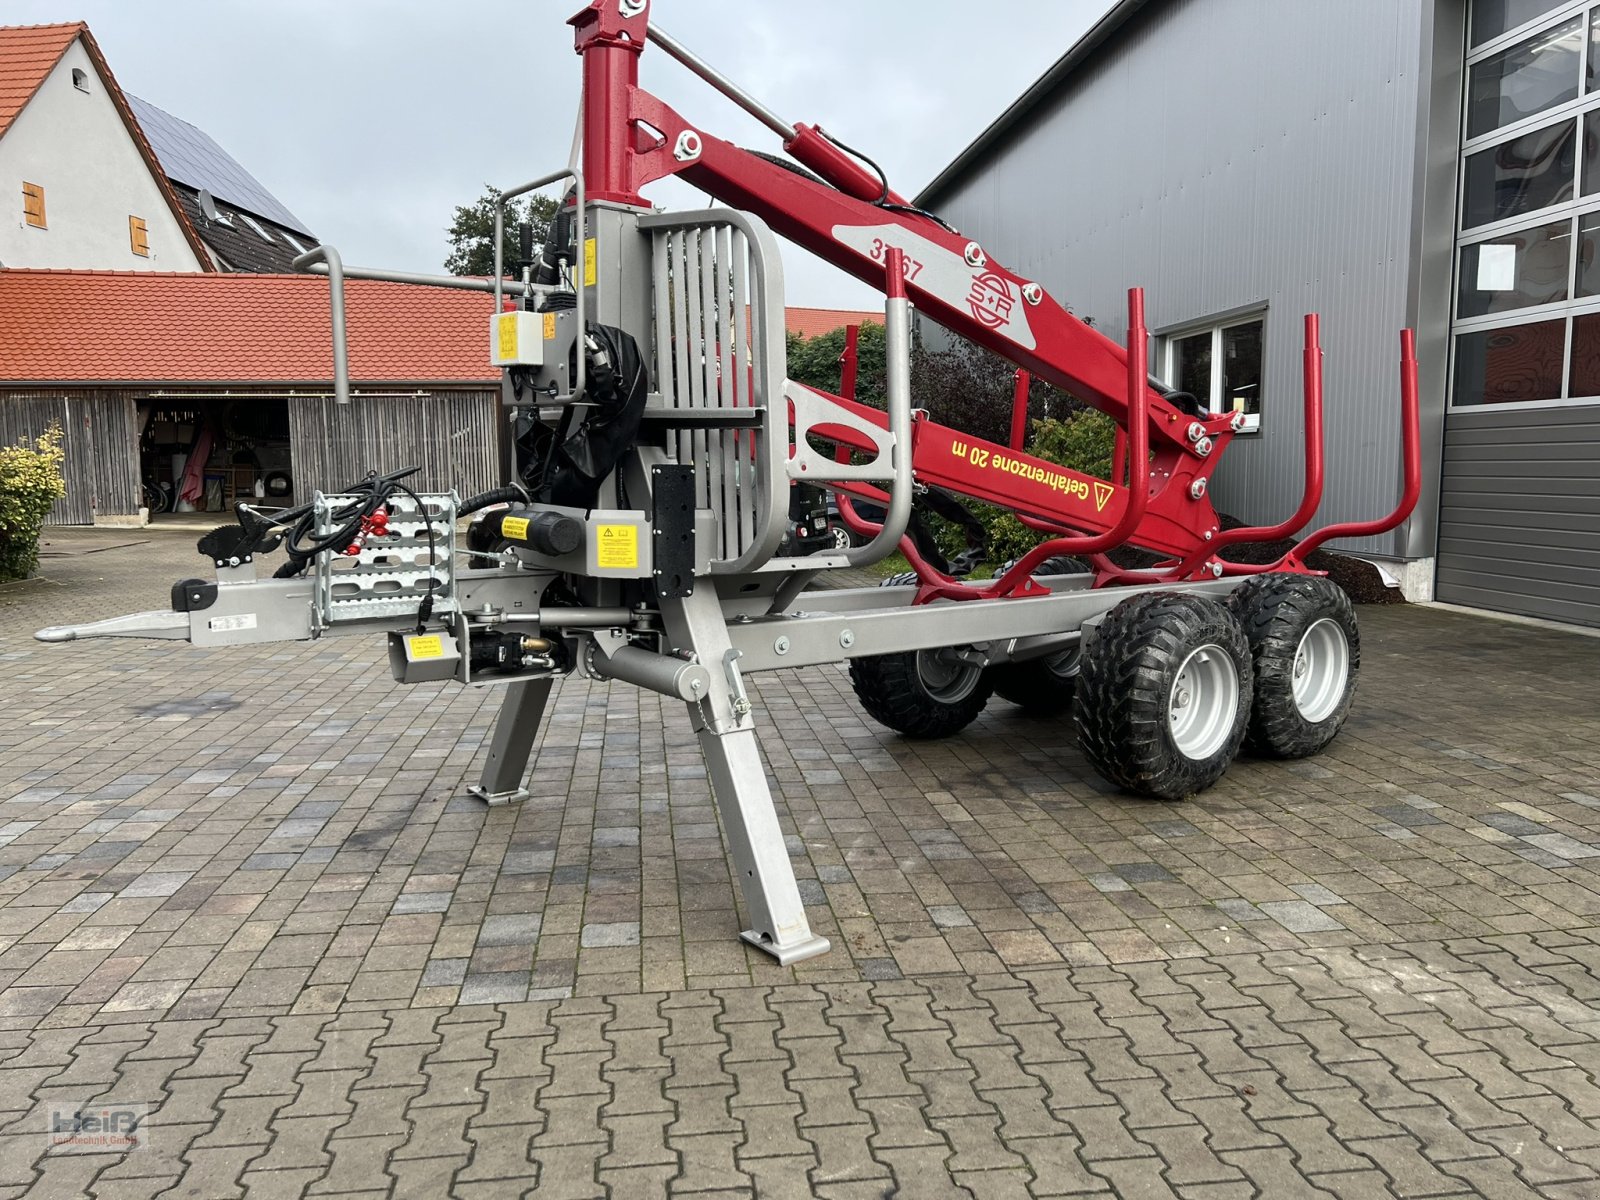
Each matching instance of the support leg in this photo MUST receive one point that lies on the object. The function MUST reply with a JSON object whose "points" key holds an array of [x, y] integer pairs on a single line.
{"points": [[739, 783], [512, 744]]}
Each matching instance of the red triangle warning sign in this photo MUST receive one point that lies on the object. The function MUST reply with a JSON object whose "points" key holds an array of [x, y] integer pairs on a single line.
{"points": [[1102, 493]]}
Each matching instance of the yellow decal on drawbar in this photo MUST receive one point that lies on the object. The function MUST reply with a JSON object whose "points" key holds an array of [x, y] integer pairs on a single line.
{"points": [[515, 527], [425, 646], [589, 271], [618, 546], [506, 330], [549, 326]]}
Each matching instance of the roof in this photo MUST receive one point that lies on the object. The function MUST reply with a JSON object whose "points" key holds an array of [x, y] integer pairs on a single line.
{"points": [[810, 322], [244, 242], [28, 53], [141, 326], [1099, 33], [191, 156]]}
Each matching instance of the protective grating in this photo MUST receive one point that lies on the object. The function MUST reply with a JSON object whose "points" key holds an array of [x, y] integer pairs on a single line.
{"points": [[709, 356]]}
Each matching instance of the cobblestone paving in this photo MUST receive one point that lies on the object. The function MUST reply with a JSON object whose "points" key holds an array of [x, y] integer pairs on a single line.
{"points": [[242, 888]]}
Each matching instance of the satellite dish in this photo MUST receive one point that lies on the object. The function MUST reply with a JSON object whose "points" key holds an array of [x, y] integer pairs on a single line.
{"points": [[208, 206]]}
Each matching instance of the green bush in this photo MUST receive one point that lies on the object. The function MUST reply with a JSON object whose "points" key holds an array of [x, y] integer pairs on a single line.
{"points": [[1083, 441], [30, 482]]}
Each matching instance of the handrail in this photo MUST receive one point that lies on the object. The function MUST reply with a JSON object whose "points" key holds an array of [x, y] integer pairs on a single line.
{"points": [[341, 360], [465, 283], [574, 173], [897, 358]]}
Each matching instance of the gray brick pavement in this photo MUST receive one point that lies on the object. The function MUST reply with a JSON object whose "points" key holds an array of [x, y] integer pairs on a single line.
{"points": [[243, 888]]}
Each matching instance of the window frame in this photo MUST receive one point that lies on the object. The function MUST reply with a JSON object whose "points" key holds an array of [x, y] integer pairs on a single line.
{"points": [[34, 192], [1167, 344], [1570, 211]]}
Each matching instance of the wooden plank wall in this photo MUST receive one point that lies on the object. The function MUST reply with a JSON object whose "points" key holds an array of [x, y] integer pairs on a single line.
{"points": [[452, 436], [102, 444]]}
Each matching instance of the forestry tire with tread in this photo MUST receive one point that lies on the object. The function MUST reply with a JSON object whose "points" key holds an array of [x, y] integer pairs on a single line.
{"points": [[903, 692], [1163, 693], [1306, 653]]}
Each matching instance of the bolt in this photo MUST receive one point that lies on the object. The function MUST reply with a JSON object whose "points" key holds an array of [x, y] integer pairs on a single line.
{"points": [[1208, 535], [1196, 431], [781, 646], [1197, 489], [975, 256], [1238, 422], [1032, 293], [687, 148], [1216, 570], [631, 8], [1203, 447], [847, 638]]}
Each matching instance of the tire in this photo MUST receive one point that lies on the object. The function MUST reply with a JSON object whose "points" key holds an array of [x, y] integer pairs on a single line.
{"points": [[1041, 686], [918, 693], [277, 483], [1061, 564], [1306, 652], [1163, 694]]}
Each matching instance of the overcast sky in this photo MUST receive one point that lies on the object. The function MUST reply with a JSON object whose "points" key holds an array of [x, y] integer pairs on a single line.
{"points": [[371, 121]]}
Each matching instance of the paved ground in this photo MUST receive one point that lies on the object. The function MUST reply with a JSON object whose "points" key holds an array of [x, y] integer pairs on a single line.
{"points": [[241, 889]]}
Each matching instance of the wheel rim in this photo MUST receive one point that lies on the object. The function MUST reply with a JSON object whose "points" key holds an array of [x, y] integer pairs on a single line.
{"points": [[1203, 702], [841, 538], [1321, 669], [1063, 665], [946, 678]]}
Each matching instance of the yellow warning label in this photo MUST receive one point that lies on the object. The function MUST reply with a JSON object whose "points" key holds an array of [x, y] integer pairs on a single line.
{"points": [[1102, 493], [589, 270], [506, 332], [425, 646], [618, 546], [515, 527], [549, 326]]}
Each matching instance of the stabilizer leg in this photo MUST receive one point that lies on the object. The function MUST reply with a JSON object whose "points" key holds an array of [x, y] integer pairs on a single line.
{"points": [[727, 735], [514, 733]]}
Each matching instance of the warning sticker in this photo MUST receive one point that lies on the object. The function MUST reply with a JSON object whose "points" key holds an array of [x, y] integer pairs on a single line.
{"points": [[515, 527], [589, 271], [425, 646], [506, 330], [549, 326], [1102, 493], [617, 546]]}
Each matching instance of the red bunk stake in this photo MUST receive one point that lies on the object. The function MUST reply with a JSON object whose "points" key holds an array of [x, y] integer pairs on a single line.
{"points": [[1019, 409]]}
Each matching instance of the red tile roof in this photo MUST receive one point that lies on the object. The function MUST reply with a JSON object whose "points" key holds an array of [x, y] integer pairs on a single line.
{"points": [[136, 326], [28, 53], [809, 322]]}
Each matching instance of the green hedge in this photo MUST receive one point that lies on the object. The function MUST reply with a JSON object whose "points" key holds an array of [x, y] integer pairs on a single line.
{"points": [[30, 482]]}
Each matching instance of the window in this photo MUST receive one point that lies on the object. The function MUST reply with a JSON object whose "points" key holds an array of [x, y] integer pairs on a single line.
{"points": [[294, 242], [257, 226], [1220, 366], [139, 236], [33, 205], [80, 79], [1526, 327]]}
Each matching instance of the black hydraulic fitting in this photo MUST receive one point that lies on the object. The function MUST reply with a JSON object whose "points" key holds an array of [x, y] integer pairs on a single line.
{"points": [[550, 533]]}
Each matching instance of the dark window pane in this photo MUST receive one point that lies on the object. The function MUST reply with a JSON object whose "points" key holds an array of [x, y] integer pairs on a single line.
{"points": [[1515, 270], [1501, 366], [1191, 366], [1585, 356], [1594, 44], [1491, 18], [1589, 254], [1241, 368], [1591, 153], [1528, 78], [1520, 176]]}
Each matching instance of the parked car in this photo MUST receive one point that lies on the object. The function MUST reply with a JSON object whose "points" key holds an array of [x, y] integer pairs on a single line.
{"points": [[810, 528]]}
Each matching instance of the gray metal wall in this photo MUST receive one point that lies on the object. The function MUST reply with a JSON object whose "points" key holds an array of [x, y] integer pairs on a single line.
{"points": [[1519, 526], [101, 444], [1228, 153], [452, 436]]}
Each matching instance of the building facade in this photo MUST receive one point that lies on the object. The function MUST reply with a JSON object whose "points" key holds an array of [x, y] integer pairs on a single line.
{"points": [[79, 185], [1386, 163]]}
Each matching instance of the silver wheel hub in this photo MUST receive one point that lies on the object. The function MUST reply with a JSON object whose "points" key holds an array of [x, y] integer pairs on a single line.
{"points": [[1204, 702], [945, 677], [1321, 672]]}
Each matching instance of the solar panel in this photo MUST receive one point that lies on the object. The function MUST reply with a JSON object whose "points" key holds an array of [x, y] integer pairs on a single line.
{"points": [[188, 155]]}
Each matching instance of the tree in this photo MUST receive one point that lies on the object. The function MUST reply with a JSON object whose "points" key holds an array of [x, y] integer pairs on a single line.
{"points": [[471, 233], [815, 362]]}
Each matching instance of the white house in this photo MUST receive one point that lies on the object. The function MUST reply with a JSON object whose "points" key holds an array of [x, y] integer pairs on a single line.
{"points": [[80, 186]]}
